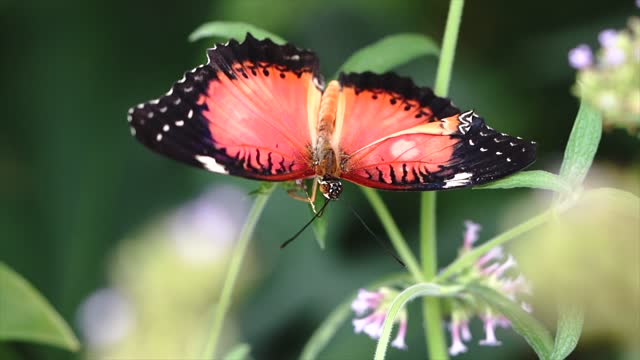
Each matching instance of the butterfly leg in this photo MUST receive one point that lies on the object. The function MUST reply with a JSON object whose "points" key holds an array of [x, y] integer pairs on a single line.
{"points": [[301, 187]]}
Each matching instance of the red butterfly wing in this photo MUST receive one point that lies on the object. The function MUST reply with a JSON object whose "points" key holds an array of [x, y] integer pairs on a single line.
{"points": [[251, 111], [397, 136]]}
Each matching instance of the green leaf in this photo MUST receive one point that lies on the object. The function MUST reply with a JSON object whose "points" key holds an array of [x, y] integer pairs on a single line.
{"points": [[27, 316], [524, 324], [536, 179], [570, 321], [389, 53], [408, 294], [232, 30], [323, 334], [239, 352], [582, 145]]}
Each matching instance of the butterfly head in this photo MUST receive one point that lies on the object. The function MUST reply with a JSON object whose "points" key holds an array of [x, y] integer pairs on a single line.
{"points": [[330, 187]]}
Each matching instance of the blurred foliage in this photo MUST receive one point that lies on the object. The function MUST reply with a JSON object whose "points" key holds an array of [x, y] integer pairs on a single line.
{"points": [[26, 316], [74, 184]]}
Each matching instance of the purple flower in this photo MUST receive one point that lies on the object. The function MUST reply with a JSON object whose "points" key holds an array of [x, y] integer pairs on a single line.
{"points": [[471, 234], [370, 325], [490, 270], [365, 301], [377, 302], [608, 38], [581, 57]]}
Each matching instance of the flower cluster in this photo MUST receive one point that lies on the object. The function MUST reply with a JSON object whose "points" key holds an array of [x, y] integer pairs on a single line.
{"points": [[608, 79], [491, 271], [376, 304]]}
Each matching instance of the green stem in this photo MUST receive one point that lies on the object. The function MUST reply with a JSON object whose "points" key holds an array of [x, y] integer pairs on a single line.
{"points": [[395, 236], [234, 268], [448, 52], [432, 312], [470, 257]]}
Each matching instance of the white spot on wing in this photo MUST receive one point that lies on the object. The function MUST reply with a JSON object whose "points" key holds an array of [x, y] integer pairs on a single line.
{"points": [[211, 164], [133, 131], [482, 149], [190, 114], [460, 179], [158, 137], [179, 123], [471, 142], [165, 128], [498, 153]]}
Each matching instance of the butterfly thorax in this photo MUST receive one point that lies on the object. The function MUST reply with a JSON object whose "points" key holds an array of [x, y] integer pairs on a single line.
{"points": [[326, 153]]}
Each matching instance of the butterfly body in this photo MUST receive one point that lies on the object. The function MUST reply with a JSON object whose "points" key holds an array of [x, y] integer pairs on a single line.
{"points": [[261, 111]]}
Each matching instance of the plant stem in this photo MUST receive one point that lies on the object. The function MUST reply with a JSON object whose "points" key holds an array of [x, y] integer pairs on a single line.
{"points": [[234, 268], [432, 313], [395, 236], [468, 258], [448, 52]]}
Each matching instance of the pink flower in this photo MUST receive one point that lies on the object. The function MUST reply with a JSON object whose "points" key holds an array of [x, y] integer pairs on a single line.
{"points": [[490, 270], [399, 340], [370, 325], [489, 332], [377, 303], [495, 253], [581, 57], [464, 329], [366, 301], [457, 346]]}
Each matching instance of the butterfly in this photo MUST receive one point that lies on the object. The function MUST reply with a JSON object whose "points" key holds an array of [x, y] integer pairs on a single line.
{"points": [[262, 111]]}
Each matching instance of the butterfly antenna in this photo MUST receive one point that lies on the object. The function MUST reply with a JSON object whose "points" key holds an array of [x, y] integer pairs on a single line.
{"points": [[317, 215], [384, 246]]}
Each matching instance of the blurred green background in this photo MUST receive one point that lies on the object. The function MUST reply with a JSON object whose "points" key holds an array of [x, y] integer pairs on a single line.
{"points": [[74, 183]]}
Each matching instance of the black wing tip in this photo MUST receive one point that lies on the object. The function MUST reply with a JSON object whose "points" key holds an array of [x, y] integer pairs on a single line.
{"points": [[401, 85], [489, 155], [287, 56]]}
